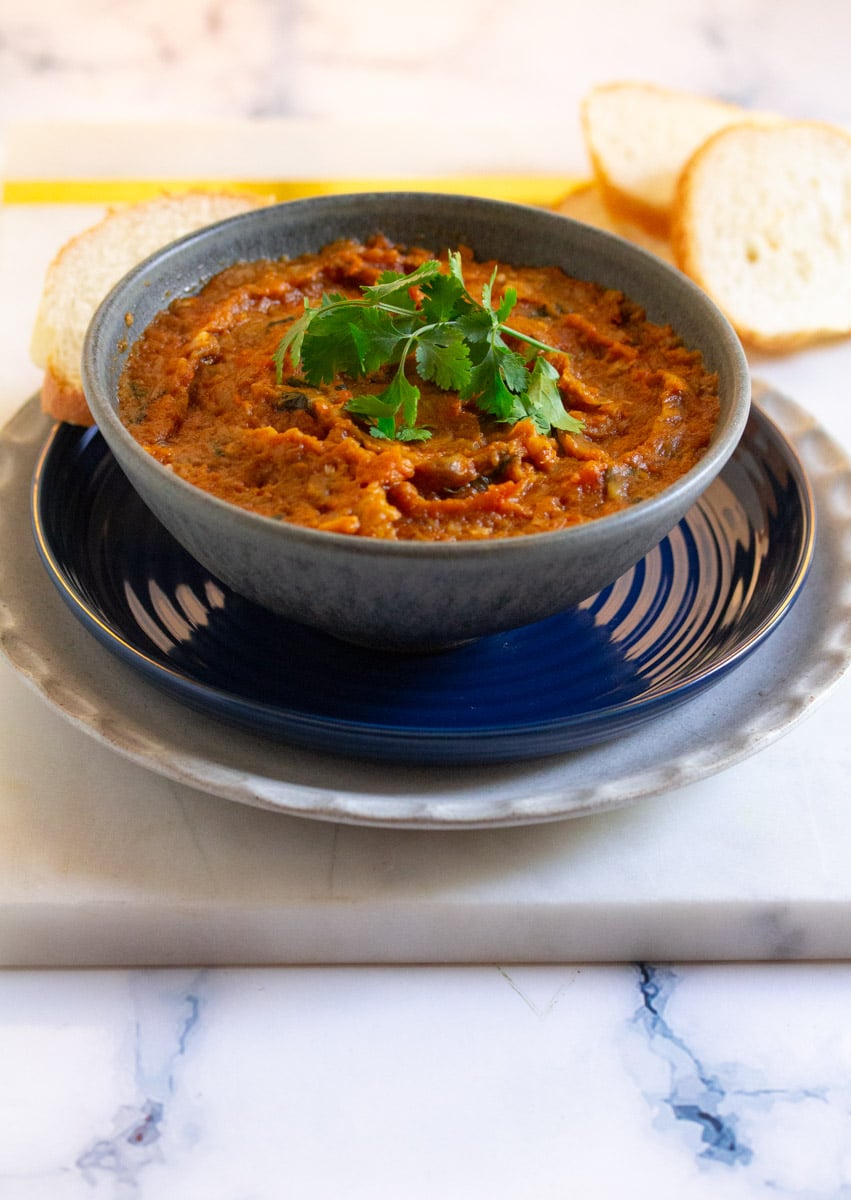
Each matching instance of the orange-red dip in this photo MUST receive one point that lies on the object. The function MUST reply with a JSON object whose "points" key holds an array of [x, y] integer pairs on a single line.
{"points": [[199, 393]]}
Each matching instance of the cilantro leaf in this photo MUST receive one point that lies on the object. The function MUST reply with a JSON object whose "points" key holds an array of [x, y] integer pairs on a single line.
{"points": [[509, 299], [512, 367], [456, 267], [442, 355], [292, 341], [488, 388], [408, 433], [377, 338], [330, 349], [545, 401], [443, 298], [476, 325], [383, 406], [377, 405], [487, 290], [396, 287]]}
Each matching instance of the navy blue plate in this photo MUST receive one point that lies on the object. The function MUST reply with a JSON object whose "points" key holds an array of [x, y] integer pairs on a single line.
{"points": [[689, 612]]}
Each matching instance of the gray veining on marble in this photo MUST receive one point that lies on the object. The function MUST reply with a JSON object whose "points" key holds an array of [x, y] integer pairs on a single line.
{"points": [[649, 1080]]}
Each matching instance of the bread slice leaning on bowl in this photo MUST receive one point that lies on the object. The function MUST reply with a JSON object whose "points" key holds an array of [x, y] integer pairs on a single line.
{"points": [[87, 266]]}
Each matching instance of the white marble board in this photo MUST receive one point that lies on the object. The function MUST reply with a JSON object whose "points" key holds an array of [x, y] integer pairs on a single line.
{"points": [[103, 862]]}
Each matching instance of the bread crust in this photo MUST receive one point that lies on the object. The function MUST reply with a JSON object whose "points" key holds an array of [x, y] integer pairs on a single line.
{"points": [[63, 401], [656, 222], [590, 205]]}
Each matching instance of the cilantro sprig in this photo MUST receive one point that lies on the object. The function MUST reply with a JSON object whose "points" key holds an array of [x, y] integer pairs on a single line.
{"points": [[456, 342]]}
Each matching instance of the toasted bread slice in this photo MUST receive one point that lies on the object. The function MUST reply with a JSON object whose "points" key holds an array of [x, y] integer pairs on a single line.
{"points": [[639, 136], [85, 269], [762, 222], [588, 204]]}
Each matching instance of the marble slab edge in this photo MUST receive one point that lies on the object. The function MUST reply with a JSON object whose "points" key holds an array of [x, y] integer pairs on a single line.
{"points": [[91, 935]]}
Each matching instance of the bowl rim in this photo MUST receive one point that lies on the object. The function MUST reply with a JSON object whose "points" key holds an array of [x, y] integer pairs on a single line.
{"points": [[95, 352]]}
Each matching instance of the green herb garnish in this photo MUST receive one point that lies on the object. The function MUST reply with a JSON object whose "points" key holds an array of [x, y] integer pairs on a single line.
{"points": [[457, 343]]}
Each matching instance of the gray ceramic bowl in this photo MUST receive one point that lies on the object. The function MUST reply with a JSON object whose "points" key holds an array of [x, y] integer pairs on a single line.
{"points": [[399, 594]]}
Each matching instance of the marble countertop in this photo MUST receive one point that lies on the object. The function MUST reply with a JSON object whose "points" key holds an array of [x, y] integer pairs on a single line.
{"points": [[671, 1080]]}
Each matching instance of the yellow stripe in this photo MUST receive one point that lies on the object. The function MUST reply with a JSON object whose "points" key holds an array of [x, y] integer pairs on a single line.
{"points": [[525, 189]]}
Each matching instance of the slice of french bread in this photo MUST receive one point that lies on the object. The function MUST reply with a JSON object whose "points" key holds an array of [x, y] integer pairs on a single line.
{"points": [[639, 136], [762, 222], [88, 265], [588, 204]]}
